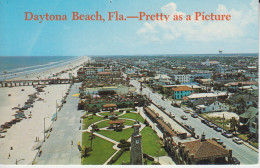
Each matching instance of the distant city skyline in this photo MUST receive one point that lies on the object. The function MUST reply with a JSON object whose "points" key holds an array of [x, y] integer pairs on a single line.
{"points": [[130, 37]]}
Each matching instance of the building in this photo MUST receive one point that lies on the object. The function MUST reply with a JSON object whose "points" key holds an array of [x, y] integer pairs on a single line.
{"points": [[136, 157], [212, 106], [250, 120], [183, 78], [236, 85], [198, 152], [197, 96], [181, 91]]}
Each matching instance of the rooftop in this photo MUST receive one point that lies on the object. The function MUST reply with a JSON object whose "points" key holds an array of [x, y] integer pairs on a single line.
{"points": [[182, 88]]}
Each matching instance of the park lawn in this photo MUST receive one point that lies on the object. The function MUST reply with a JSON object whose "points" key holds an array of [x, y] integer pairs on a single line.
{"points": [[102, 150], [88, 121], [117, 136], [133, 116], [129, 122], [104, 124], [126, 158], [151, 143], [108, 113]]}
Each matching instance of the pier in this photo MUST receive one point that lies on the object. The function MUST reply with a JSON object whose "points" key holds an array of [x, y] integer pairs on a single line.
{"points": [[13, 83]]}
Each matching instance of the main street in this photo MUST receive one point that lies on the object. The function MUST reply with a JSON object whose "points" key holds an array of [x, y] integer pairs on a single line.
{"points": [[244, 154]]}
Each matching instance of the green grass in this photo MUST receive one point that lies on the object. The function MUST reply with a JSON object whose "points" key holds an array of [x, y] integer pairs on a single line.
{"points": [[129, 122], [102, 150], [152, 143], [104, 124], [254, 144], [108, 113], [126, 158], [133, 116], [243, 136], [88, 121], [117, 136]]}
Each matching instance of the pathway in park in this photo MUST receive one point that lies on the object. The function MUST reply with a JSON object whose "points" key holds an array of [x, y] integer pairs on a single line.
{"points": [[61, 148]]}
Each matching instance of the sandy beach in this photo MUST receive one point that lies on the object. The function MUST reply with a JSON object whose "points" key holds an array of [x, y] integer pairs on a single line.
{"points": [[18, 144]]}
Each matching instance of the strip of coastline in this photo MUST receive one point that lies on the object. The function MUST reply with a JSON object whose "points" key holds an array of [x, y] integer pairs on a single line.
{"points": [[18, 143]]}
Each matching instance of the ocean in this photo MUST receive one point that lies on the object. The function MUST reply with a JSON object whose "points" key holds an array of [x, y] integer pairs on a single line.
{"points": [[15, 66]]}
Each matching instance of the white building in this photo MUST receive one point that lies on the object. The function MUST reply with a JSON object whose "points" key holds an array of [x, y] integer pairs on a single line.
{"points": [[214, 107], [183, 78]]}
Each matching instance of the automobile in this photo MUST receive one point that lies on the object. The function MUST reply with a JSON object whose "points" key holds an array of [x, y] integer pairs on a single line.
{"points": [[204, 121], [189, 127], [215, 139], [210, 124], [184, 117], [219, 141], [235, 161], [187, 111], [227, 134], [218, 129], [237, 140], [194, 115]]}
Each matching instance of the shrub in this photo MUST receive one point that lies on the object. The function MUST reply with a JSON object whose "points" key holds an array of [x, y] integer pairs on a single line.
{"points": [[115, 158], [122, 141], [127, 111], [118, 129], [148, 157], [123, 144]]}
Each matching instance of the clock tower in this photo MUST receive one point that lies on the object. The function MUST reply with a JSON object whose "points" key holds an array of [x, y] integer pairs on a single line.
{"points": [[136, 146]]}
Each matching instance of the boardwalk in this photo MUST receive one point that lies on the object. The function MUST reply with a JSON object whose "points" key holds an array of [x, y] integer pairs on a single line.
{"points": [[58, 148], [12, 83]]}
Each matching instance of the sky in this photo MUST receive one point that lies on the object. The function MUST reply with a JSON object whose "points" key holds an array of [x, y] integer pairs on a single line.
{"points": [[20, 37]]}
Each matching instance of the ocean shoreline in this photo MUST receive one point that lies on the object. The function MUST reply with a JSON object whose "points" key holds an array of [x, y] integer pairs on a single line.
{"points": [[19, 140]]}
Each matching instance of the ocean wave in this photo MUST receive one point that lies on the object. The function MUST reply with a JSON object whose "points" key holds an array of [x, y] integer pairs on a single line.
{"points": [[50, 65]]}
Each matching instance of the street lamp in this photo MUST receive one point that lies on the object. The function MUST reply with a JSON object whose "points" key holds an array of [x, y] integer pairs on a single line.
{"points": [[44, 128]]}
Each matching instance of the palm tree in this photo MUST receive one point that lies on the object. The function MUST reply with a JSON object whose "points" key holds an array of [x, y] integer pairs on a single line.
{"points": [[234, 124], [92, 136], [85, 151]]}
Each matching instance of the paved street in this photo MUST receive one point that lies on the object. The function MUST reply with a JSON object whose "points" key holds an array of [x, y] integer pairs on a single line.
{"points": [[58, 148], [245, 154]]}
